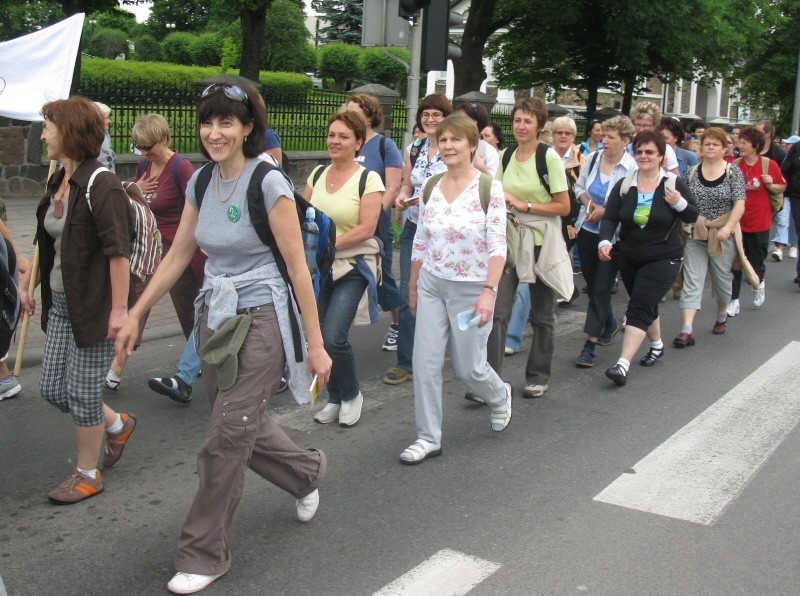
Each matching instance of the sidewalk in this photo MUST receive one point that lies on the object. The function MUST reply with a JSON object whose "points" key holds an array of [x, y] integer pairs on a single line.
{"points": [[22, 222]]}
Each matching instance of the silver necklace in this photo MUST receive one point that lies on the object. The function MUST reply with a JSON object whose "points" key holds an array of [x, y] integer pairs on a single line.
{"points": [[219, 192]]}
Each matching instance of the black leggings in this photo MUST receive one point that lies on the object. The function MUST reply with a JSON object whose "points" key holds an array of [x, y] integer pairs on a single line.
{"points": [[646, 284]]}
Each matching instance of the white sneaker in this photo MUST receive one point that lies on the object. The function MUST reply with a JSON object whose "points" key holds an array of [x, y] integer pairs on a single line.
{"points": [[733, 308], [328, 414], [759, 295], [189, 583], [9, 388], [351, 411], [792, 252], [777, 254], [307, 506]]}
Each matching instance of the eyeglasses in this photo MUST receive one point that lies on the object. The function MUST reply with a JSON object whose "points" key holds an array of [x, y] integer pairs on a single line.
{"points": [[431, 115], [563, 132], [143, 147], [233, 92], [646, 152]]}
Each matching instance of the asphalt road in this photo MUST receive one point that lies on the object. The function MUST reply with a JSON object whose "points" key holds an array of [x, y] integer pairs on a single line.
{"points": [[522, 499]]}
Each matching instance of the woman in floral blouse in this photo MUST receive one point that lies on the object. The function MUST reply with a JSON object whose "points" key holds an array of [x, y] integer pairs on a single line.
{"points": [[458, 256]]}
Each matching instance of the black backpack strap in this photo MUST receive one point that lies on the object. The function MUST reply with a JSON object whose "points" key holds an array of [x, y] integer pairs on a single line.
{"points": [[201, 183], [175, 165], [413, 153], [507, 156], [541, 165], [382, 148], [362, 182], [594, 161], [317, 174]]}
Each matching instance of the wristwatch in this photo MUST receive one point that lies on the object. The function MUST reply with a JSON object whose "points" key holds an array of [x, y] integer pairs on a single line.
{"points": [[492, 288]]}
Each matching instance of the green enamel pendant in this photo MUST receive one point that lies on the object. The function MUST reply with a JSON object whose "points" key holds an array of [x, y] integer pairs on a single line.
{"points": [[234, 213]]}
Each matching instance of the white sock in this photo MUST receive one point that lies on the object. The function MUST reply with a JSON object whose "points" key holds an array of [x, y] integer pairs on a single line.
{"points": [[624, 364], [658, 344], [89, 473], [115, 428]]}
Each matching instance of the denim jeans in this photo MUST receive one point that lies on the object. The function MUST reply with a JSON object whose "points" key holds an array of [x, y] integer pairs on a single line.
{"points": [[405, 339], [388, 293], [519, 317], [796, 217], [189, 365], [785, 232], [338, 304]]}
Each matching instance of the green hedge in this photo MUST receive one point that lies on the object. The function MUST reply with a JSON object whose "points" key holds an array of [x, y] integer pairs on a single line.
{"points": [[95, 72]]}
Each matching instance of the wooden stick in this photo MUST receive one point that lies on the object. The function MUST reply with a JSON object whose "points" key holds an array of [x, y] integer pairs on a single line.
{"points": [[34, 265]]}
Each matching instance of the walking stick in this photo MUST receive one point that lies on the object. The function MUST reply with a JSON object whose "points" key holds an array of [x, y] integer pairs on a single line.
{"points": [[26, 319]]}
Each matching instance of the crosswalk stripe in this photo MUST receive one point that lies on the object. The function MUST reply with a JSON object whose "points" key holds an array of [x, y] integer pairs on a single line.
{"points": [[700, 469], [448, 572]]}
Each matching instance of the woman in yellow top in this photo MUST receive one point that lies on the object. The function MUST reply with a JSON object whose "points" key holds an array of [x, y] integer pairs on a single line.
{"points": [[525, 193], [336, 192]]}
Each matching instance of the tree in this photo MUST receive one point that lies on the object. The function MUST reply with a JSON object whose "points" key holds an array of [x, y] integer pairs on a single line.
{"points": [[116, 18], [206, 49], [147, 49], [253, 16], [769, 72], [380, 68], [343, 20], [340, 62], [107, 43], [186, 15], [286, 45], [587, 45], [175, 48], [25, 16]]}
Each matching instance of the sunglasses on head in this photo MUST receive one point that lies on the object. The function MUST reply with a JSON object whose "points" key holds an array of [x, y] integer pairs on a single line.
{"points": [[233, 92]]}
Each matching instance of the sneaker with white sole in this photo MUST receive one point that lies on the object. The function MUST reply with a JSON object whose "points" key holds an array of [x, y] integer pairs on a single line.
{"points": [[792, 252], [307, 506], [328, 414], [9, 387], [759, 295], [351, 411], [733, 307], [189, 583], [501, 416], [390, 341], [777, 254]]}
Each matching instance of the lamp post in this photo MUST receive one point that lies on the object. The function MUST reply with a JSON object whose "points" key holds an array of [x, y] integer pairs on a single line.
{"points": [[170, 27]]}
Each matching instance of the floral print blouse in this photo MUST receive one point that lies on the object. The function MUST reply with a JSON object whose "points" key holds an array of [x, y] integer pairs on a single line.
{"points": [[454, 241]]}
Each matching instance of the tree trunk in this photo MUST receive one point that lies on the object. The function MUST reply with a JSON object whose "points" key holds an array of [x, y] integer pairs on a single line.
{"points": [[627, 96], [468, 70], [591, 102], [253, 23]]}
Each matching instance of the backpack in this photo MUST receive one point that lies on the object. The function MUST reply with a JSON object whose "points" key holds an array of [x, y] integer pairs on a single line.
{"points": [[146, 240], [9, 298], [142, 166], [326, 249], [413, 153], [484, 192]]}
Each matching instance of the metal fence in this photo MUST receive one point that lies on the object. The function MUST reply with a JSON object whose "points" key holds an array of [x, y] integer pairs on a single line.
{"points": [[301, 124], [501, 115]]}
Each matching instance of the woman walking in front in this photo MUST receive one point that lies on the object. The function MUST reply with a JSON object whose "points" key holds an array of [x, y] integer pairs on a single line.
{"points": [[459, 254], [649, 213], [243, 320]]}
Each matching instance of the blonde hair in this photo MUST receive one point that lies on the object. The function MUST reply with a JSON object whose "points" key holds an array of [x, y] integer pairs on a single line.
{"points": [[646, 109], [150, 129], [565, 122]]}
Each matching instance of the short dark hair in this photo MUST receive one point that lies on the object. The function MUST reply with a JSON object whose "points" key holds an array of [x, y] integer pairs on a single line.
{"points": [[498, 134], [673, 126], [650, 136], [534, 106], [434, 101], [698, 124], [476, 112], [80, 125], [754, 136], [252, 111], [354, 122]]}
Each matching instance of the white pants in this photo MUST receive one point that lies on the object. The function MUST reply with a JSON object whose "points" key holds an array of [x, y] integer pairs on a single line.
{"points": [[438, 303]]}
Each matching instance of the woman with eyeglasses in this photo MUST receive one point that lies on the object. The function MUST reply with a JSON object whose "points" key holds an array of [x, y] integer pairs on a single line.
{"points": [[162, 174], [649, 215], [244, 322], [594, 138], [422, 162]]}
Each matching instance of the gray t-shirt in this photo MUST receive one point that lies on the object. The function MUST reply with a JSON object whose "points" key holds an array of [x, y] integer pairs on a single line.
{"points": [[225, 232], [55, 227]]}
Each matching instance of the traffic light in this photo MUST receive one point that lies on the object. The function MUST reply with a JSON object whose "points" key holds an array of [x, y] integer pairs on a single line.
{"points": [[409, 9], [436, 44]]}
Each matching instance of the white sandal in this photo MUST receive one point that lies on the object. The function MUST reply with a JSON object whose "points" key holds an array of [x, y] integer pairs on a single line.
{"points": [[419, 451], [501, 417]]}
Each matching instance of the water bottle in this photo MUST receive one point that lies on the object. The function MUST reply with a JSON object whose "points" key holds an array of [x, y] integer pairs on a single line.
{"points": [[310, 231]]}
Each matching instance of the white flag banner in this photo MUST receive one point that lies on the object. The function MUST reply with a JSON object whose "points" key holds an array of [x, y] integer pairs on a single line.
{"points": [[37, 68]]}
